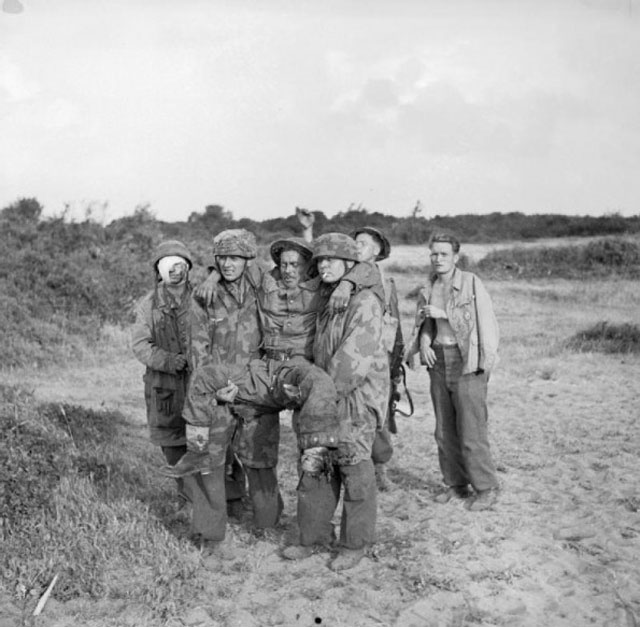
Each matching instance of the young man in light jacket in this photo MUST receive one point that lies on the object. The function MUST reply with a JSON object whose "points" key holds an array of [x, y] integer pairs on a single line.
{"points": [[456, 334]]}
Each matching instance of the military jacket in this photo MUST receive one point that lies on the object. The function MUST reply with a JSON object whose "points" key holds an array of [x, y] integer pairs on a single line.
{"points": [[350, 349], [227, 331], [288, 316], [161, 331]]}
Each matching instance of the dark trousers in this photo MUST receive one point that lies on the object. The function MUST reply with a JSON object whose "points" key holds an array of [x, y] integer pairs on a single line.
{"points": [[265, 496], [318, 498], [460, 406]]}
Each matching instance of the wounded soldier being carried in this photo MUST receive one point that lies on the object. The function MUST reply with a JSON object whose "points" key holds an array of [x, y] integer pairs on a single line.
{"points": [[283, 376]]}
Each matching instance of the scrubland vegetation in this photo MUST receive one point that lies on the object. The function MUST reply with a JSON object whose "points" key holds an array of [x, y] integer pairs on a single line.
{"points": [[80, 496]]}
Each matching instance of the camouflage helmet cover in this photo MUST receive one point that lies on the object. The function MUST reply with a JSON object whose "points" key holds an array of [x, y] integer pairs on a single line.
{"points": [[235, 242], [169, 248], [335, 245], [385, 246], [291, 243]]}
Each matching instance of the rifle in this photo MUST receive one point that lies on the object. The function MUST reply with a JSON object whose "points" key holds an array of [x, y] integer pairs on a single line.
{"points": [[394, 399]]}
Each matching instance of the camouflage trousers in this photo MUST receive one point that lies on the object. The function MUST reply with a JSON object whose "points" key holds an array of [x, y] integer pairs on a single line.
{"points": [[261, 396], [253, 435], [316, 402]]}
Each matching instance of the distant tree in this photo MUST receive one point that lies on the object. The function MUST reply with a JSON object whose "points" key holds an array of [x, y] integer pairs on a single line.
{"points": [[24, 210]]}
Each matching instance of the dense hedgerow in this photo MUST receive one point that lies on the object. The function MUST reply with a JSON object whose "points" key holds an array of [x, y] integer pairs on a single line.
{"points": [[61, 280]]}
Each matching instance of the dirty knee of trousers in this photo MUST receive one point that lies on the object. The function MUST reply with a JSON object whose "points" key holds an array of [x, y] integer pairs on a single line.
{"points": [[314, 460]]}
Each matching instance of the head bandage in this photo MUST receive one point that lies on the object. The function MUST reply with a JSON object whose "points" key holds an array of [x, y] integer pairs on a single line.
{"points": [[166, 263]]}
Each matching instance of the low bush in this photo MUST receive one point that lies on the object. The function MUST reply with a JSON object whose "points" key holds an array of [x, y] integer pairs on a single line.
{"points": [[605, 337], [597, 259], [76, 500]]}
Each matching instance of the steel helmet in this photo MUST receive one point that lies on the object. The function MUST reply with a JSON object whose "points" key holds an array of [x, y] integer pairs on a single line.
{"points": [[337, 245], [235, 242], [291, 243], [385, 246], [169, 248]]}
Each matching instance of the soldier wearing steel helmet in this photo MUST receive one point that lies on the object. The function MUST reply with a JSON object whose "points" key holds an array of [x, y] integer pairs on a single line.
{"points": [[160, 339], [225, 338], [375, 247], [349, 348]]}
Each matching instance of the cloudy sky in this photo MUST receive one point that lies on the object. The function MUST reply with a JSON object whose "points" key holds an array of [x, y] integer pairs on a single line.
{"points": [[470, 106]]}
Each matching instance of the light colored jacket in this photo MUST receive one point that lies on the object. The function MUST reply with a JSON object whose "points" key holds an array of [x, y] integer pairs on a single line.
{"points": [[470, 314]]}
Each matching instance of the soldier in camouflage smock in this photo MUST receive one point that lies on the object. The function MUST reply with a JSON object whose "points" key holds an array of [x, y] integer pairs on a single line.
{"points": [[225, 338], [349, 348]]}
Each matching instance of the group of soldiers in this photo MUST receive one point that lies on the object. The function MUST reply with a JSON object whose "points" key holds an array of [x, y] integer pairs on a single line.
{"points": [[319, 334], [314, 334]]}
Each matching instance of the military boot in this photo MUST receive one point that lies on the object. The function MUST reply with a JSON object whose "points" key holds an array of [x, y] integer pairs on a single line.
{"points": [[196, 459]]}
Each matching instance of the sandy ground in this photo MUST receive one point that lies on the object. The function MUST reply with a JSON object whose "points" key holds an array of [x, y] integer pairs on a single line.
{"points": [[561, 547]]}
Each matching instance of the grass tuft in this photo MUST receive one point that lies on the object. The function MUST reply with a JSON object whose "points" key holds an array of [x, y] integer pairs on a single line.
{"points": [[605, 337], [75, 501]]}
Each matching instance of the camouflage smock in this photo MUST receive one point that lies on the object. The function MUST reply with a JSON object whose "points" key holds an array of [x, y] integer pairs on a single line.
{"points": [[349, 347], [227, 331]]}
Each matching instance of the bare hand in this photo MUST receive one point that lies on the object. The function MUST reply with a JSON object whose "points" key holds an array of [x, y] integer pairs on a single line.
{"points": [[292, 392], [408, 354], [427, 354], [206, 291], [340, 298], [305, 217], [180, 362], [228, 393], [430, 311]]}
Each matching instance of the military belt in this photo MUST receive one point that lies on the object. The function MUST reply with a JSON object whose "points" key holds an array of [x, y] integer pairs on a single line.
{"points": [[277, 355]]}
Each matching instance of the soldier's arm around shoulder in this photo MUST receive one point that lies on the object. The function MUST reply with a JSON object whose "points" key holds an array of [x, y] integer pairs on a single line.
{"points": [[365, 274]]}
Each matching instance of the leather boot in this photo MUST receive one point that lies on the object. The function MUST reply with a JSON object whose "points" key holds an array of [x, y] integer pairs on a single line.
{"points": [[347, 558]]}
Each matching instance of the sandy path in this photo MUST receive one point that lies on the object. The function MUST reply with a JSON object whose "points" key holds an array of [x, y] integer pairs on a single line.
{"points": [[561, 548]]}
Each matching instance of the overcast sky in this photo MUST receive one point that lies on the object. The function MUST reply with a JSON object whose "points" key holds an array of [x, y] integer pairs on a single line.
{"points": [[470, 106]]}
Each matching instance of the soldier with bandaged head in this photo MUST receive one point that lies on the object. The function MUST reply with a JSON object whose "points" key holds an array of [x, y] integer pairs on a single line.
{"points": [[160, 339]]}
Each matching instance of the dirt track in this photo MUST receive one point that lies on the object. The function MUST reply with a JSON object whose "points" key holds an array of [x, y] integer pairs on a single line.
{"points": [[560, 548]]}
